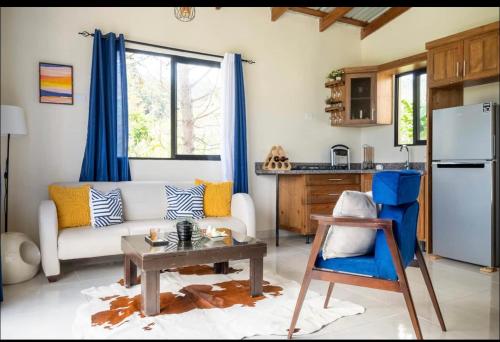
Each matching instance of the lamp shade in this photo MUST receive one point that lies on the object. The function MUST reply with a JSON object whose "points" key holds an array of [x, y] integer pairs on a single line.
{"points": [[12, 120]]}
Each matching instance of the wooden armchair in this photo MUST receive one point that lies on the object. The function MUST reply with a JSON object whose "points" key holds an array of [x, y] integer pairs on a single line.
{"points": [[395, 247]]}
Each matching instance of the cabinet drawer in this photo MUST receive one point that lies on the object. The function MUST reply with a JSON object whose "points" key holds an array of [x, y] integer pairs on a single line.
{"points": [[322, 209], [327, 193], [330, 179]]}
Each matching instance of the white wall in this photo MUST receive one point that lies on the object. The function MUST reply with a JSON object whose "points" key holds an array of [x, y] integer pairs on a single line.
{"points": [[292, 58], [405, 36]]}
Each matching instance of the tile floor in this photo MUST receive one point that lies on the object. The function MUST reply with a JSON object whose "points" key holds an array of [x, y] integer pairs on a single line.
{"points": [[469, 300]]}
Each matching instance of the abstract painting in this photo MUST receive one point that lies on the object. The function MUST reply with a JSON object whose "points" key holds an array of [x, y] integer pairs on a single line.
{"points": [[56, 83]]}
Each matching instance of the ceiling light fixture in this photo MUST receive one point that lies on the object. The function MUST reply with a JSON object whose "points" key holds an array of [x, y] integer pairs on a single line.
{"points": [[184, 13]]}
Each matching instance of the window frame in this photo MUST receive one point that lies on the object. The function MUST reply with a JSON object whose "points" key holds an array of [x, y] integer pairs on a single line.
{"points": [[416, 104], [174, 59]]}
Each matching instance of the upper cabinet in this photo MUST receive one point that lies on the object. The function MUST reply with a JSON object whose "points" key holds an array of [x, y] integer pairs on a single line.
{"points": [[444, 63], [354, 99], [481, 56], [361, 98], [471, 55]]}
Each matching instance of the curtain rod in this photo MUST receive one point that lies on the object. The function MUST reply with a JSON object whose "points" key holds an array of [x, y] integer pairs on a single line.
{"points": [[87, 34]]}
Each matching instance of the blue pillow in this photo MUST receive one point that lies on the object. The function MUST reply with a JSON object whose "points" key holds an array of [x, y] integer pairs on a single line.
{"points": [[105, 209], [185, 202]]}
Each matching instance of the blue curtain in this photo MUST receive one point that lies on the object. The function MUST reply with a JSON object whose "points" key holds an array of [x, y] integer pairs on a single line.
{"points": [[240, 175], [106, 152]]}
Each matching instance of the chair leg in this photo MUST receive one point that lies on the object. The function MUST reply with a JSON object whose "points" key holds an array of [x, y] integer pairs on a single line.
{"points": [[430, 288], [403, 281], [303, 290], [328, 294], [411, 309]]}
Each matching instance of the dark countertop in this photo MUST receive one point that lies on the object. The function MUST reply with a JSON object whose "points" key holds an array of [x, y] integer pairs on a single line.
{"points": [[324, 168]]}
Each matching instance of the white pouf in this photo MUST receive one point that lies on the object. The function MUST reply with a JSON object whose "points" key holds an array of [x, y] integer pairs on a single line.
{"points": [[20, 258]]}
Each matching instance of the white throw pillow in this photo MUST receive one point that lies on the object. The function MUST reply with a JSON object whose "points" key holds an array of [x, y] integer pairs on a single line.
{"points": [[106, 209], [348, 241]]}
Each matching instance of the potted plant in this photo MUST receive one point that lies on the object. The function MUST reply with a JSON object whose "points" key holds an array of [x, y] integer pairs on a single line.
{"points": [[336, 74]]}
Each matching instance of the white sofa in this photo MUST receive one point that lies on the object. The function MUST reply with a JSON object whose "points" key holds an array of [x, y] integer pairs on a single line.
{"points": [[144, 206]]}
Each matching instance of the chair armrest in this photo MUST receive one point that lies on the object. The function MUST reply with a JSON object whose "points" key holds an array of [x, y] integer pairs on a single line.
{"points": [[242, 208], [371, 223], [48, 231]]}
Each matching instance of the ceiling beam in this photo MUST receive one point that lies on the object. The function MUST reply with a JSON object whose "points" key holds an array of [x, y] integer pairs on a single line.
{"points": [[383, 19], [326, 21], [277, 12], [320, 14]]}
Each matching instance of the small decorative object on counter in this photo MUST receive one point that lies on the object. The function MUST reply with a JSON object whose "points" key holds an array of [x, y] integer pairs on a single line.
{"points": [[379, 167], [154, 238], [367, 157], [277, 159], [184, 231]]}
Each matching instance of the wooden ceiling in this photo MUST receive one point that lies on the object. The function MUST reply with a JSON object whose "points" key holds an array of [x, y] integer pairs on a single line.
{"points": [[370, 19]]}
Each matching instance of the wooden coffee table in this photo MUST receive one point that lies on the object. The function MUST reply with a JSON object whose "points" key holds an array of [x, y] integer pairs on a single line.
{"points": [[151, 260]]}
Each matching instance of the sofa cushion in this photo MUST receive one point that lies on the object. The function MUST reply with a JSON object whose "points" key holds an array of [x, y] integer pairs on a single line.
{"points": [[217, 198], [184, 203], [72, 205], [82, 242], [106, 209]]}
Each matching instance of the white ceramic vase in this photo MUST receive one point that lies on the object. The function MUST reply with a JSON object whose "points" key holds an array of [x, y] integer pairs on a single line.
{"points": [[20, 258]]}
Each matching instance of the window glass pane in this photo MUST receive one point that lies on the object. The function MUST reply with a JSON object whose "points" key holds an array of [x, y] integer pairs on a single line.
{"points": [[405, 109], [198, 109], [422, 110], [148, 78]]}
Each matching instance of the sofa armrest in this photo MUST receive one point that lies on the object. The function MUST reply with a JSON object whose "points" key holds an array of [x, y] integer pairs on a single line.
{"points": [[48, 231], [242, 207]]}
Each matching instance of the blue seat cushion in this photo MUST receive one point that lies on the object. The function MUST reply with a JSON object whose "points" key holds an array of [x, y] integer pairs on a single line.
{"points": [[363, 265], [380, 264], [396, 187]]}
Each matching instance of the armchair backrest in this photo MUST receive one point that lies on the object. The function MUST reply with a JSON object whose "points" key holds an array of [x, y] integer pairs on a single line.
{"points": [[397, 192]]}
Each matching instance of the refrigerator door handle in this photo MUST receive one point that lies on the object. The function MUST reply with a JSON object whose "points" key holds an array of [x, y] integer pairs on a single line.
{"points": [[460, 165]]}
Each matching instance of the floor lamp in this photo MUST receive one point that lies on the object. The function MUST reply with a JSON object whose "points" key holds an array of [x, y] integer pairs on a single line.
{"points": [[20, 257], [13, 123]]}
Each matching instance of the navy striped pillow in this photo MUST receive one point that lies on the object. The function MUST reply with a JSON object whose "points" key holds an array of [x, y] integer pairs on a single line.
{"points": [[185, 202], [105, 209]]}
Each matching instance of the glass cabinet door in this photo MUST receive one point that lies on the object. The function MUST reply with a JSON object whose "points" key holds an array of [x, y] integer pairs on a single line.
{"points": [[360, 101]]}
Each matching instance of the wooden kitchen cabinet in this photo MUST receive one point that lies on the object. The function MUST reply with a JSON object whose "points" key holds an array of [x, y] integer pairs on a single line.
{"points": [[444, 64], [303, 195], [366, 182], [481, 56], [468, 57], [361, 98]]}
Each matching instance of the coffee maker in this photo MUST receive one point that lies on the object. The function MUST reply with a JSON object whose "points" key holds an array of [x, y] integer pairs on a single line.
{"points": [[340, 157]]}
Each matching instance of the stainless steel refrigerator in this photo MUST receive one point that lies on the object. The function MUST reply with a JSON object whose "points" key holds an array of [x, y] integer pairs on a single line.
{"points": [[465, 194]]}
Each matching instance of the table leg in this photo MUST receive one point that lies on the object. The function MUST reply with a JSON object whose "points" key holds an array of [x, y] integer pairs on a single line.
{"points": [[150, 303], [277, 210], [256, 276], [221, 267], [130, 271]]}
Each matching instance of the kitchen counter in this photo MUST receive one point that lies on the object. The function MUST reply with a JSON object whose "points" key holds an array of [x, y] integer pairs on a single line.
{"points": [[324, 168]]}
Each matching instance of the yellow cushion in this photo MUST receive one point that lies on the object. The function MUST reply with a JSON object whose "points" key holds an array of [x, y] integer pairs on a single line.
{"points": [[72, 203], [217, 198]]}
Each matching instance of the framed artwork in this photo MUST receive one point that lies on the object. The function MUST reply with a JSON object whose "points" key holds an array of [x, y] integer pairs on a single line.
{"points": [[56, 83]]}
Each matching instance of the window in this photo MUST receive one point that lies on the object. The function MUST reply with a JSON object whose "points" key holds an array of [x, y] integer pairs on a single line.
{"points": [[411, 108], [174, 106]]}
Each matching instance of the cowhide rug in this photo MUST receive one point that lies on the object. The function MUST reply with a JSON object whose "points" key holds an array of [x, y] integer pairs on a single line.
{"points": [[195, 303]]}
